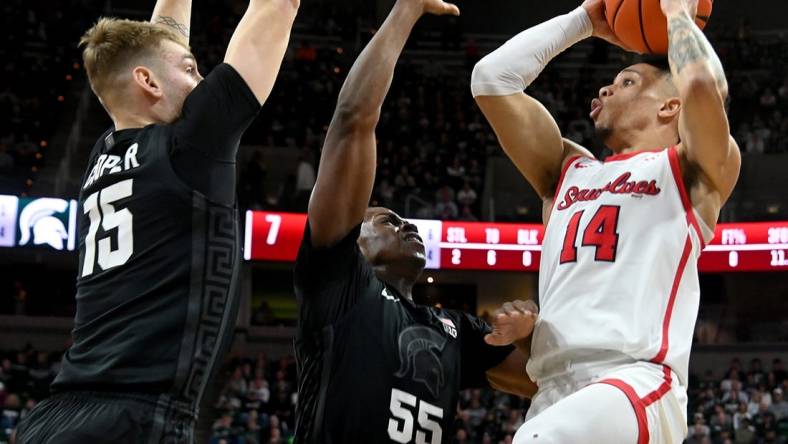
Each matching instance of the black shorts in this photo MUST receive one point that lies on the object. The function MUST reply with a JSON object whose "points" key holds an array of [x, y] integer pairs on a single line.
{"points": [[101, 417]]}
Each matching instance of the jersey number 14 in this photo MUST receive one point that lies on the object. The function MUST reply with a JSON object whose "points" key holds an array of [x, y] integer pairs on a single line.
{"points": [[101, 211], [601, 233]]}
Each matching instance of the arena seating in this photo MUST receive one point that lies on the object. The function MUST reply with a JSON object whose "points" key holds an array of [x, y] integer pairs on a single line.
{"points": [[745, 404]]}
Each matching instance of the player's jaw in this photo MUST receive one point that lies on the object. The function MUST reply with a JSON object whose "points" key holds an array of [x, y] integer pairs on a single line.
{"points": [[174, 75]]}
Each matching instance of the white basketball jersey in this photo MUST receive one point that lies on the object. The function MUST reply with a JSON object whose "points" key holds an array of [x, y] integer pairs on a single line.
{"points": [[618, 271]]}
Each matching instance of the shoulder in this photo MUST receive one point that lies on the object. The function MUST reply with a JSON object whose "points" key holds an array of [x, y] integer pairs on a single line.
{"points": [[573, 150]]}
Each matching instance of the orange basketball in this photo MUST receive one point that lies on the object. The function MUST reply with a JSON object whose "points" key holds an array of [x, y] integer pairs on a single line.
{"points": [[642, 26]]}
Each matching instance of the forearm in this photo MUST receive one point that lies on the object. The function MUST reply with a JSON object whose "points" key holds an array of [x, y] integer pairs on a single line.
{"points": [[692, 58], [368, 81], [175, 14], [512, 67]]}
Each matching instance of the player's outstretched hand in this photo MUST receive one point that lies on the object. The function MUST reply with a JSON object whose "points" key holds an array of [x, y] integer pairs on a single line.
{"points": [[512, 322], [596, 11], [438, 7], [671, 6]]}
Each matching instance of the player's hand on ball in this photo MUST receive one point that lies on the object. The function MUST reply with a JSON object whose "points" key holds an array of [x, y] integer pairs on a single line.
{"points": [[673, 6], [512, 322], [439, 7], [596, 11]]}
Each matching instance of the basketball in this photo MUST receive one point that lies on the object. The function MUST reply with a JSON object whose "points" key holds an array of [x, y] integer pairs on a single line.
{"points": [[642, 26]]}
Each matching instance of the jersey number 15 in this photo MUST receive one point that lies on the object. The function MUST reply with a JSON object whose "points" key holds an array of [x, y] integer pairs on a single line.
{"points": [[101, 211]]}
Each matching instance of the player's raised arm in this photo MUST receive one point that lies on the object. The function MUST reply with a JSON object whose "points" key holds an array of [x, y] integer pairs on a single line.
{"points": [[527, 132], [347, 164], [176, 14], [258, 44], [698, 74]]}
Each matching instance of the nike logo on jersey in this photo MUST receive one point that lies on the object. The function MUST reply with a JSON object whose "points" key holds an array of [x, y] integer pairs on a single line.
{"points": [[385, 293], [621, 185], [111, 164]]}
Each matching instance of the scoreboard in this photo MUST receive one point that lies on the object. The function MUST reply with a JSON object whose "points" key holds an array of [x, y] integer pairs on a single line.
{"points": [[756, 246]]}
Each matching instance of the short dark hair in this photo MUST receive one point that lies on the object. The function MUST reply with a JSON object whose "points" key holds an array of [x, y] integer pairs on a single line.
{"points": [[660, 62]]}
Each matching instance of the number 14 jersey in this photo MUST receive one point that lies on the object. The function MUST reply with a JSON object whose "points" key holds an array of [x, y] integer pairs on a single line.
{"points": [[618, 271]]}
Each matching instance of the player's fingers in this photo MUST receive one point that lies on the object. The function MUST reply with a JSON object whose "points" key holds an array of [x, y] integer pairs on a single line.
{"points": [[509, 308], [495, 338], [451, 8], [492, 339], [524, 306]]}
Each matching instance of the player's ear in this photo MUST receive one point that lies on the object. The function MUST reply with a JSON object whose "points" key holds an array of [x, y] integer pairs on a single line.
{"points": [[147, 81], [669, 109]]}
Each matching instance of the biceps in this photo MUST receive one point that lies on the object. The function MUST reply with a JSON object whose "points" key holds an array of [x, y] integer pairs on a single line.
{"points": [[529, 136], [344, 185], [258, 45], [704, 130]]}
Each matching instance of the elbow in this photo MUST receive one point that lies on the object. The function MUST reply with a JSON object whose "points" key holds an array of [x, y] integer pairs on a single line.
{"points": [[483, 75], [350, 117], [491, 77]]}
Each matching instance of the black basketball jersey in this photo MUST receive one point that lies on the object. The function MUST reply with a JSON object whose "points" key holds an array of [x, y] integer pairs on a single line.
{"points": [[374, 367], [159, 251]]}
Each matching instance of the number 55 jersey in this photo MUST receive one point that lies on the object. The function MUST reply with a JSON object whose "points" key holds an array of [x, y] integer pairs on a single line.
{"points": [[159, 250], [618, 271]]}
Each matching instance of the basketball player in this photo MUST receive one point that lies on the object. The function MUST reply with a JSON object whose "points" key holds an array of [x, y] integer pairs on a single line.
{"points": [[373, 366], [618, 287], [158, 234]]}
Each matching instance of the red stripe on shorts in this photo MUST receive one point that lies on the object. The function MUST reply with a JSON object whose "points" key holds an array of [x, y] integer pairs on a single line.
{"points": [[640, 404], [637, 405]]}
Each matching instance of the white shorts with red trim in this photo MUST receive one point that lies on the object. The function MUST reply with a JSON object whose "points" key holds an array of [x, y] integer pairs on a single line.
{"points": [[635, 403]]}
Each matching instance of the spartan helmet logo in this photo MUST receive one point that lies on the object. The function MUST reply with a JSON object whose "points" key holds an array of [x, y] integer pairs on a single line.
{"points": [[418, 348], [38, 217]]}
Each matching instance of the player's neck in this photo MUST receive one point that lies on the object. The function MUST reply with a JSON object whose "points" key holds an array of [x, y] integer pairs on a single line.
{"points": [[402, 282], [130, 122], [644, 140]]}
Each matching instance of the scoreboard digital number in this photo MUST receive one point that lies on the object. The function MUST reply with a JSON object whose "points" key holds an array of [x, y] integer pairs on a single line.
{"points": [[757, 246]]}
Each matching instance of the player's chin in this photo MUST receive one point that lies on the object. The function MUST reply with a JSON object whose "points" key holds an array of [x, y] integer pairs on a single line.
{"points": [[414, 250]]}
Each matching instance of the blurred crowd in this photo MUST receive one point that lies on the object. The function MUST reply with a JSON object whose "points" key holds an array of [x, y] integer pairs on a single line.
{"points": [[745, 404], [39, 60], [433, 143]]}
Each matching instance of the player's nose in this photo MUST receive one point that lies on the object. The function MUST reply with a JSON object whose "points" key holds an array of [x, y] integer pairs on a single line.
{"points": [[606, 91], [409, 227]]}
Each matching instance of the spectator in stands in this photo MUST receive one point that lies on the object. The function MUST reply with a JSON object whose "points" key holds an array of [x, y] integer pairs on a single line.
{"points": [[745, 433], [305, 180], [445, 208], [466, 196], [779, 407], [698, 431]]}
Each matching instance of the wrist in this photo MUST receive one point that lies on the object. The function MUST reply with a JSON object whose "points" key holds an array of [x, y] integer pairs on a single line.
{"points": [[581, 23], [676, 11], [412, 9]]}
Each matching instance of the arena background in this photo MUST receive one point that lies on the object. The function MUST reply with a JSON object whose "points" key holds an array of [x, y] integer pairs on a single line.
{"points": [[438, 161]]}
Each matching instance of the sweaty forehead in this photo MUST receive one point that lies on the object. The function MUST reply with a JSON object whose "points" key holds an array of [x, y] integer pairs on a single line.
{"points": [[372, 212]]}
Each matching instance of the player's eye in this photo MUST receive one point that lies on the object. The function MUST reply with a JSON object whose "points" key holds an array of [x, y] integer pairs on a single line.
{"points": [[628, 82]]}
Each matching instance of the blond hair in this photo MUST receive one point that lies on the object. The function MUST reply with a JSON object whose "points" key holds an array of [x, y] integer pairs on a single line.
{"points": [[112, 44]]}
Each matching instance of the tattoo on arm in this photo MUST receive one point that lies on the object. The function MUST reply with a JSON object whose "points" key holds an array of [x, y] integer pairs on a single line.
{"points": [[174, 24], [688, 45]]}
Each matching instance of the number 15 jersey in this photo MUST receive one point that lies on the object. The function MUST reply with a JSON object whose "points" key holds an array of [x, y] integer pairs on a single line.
{"points": [[159, 250], [618, 271]]}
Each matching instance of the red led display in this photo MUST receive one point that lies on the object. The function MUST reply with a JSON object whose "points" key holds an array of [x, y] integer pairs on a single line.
{"points": [[758, 246]]}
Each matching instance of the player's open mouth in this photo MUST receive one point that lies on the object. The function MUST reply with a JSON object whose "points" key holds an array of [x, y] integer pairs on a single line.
{"points": [[596, 108], [413, 237]]}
